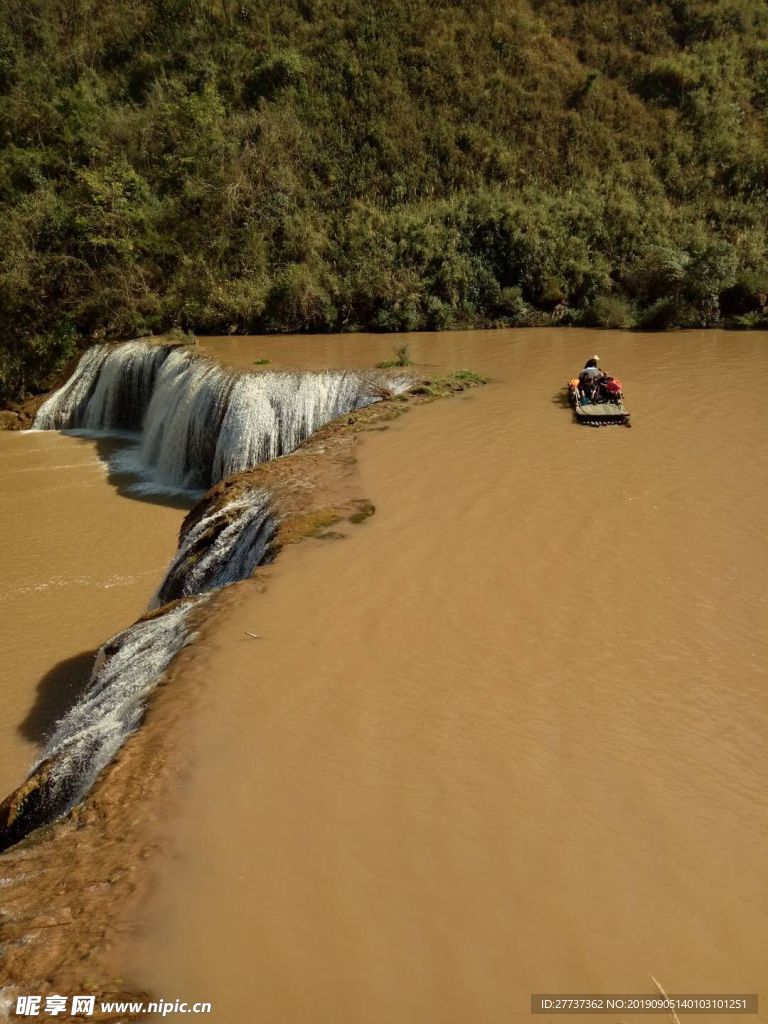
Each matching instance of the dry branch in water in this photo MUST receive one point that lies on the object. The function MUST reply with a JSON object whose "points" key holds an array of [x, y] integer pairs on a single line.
{"points": [[660, 987]]}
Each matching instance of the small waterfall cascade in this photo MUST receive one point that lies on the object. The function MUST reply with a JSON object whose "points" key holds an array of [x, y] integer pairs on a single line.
{"points": [[127, 669], [199, 422], [223, 546], [109, 390]]}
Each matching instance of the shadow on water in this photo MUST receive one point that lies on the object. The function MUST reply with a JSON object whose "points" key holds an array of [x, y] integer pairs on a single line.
{"points": [[561, 398], [57, 692], [124, 483], [63, 686]]}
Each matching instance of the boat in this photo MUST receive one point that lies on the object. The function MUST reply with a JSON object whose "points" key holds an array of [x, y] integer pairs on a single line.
{"points": [[605, 411]]}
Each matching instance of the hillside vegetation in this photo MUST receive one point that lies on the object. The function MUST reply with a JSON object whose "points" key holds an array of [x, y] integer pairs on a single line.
{"points": [[290, 165]]}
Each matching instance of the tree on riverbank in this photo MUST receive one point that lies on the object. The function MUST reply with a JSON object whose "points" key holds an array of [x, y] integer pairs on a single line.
{"points": [[317, 165]]}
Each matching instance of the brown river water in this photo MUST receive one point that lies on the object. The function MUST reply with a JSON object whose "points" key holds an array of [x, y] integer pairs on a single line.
{"points": [[78, 563], [508, 736]]}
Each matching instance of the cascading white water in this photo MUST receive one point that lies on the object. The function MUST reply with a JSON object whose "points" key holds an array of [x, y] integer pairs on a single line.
{"points": [[197, 423], [109, 390], [127, 668], [200, 422], [221, 548]]}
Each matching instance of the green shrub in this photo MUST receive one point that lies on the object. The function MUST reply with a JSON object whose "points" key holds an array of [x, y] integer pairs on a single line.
{"points": [[438, 315], [608, 311], [297, 302], [401, 356], [468, 377], [748, 322], [662, 271], [277, 71], [669, 81], [666, 313], [712, 268], [403, 316], [33, 367], [552, 293], [747, 294]]}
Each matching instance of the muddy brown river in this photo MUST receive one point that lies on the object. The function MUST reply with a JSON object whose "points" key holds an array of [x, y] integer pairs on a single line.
{"points": [[78, 562], [507, 736]]}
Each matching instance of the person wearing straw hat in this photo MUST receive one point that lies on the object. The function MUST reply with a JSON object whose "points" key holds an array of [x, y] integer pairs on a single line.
{"points": [[591, 371], [589, 377]]}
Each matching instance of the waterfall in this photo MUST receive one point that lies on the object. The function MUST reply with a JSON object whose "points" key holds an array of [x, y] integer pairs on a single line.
{"points": [[199, 422], [127, 669], [109, 390], [223, 546], [192, 423]]}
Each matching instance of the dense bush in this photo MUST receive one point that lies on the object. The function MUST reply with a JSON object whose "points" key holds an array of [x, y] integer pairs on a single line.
{"points": [[318, 165], [608, 311], [666, 313], [748, 294]]}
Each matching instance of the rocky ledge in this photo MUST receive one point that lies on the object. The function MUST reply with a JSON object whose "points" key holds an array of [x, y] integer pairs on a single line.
{"points": [[74, 889]]}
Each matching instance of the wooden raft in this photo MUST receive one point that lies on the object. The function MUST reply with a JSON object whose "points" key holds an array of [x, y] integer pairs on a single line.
{"points": [[602, 412]]}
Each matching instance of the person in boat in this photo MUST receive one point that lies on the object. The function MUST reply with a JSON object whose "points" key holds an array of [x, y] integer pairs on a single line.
{"points": [[612, 388], [605, 388], [590, 377]]}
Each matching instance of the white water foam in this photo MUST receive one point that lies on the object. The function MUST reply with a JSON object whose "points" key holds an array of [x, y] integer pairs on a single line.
{"points": [[199, 422], [128, 667], [229, 544], [109, 390]]}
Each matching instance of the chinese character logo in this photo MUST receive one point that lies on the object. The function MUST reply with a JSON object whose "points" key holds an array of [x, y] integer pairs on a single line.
{"points": [[28, 1006], [83, 1004], [55, 1004]]}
